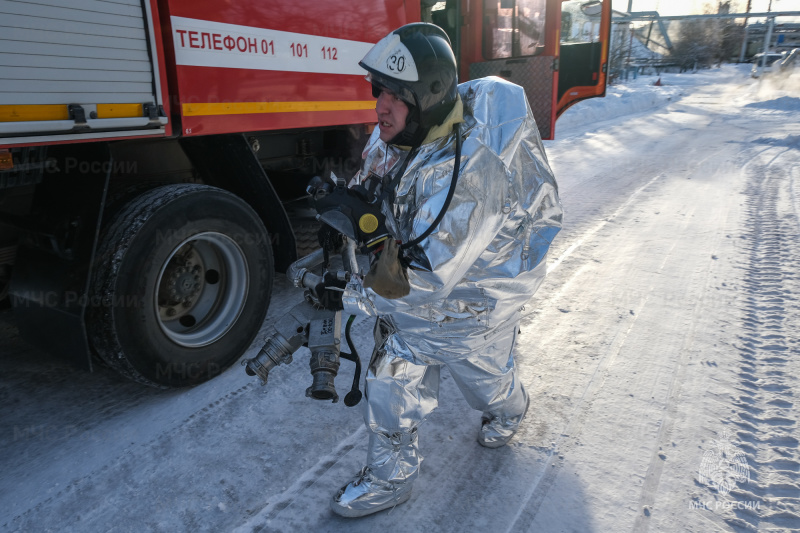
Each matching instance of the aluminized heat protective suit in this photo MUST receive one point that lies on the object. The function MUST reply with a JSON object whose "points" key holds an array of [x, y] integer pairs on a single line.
{"points": [[486, 260]]}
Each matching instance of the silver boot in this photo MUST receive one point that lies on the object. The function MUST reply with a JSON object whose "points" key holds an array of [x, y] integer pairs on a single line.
{"points": [[496, 431], [392, 466], [366, 494]]}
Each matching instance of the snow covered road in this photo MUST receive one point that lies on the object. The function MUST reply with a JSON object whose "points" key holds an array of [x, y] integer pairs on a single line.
{"points": [[662, 355]]}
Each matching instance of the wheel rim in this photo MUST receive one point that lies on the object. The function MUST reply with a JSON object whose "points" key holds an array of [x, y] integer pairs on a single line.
{"points": [[201, 289]]}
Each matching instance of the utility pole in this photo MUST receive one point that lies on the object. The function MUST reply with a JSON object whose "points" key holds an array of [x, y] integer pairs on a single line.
{"points": [[767, 40], [630, 49], [630, 5], [746, 29]]}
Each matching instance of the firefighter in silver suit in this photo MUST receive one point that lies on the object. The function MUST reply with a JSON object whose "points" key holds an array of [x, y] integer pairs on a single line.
{"points": [[456, 296]]}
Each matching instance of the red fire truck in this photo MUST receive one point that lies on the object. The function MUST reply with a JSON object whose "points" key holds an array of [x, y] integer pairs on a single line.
{"points": [[154, 153]]}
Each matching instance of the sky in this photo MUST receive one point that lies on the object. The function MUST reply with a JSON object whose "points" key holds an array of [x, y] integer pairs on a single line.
{"points": [[688, 7]]}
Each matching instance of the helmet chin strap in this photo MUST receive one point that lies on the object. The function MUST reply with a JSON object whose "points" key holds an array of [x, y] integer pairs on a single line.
{"points": [[413, 134], [407, 137]]}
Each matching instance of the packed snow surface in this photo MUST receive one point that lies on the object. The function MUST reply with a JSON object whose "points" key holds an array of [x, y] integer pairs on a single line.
{"points": [[662, 355]]}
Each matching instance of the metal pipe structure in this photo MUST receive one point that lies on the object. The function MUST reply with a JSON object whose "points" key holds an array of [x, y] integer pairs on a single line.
{"points": [[299, 272], [767, 41], [746, 31], [654, 15]]}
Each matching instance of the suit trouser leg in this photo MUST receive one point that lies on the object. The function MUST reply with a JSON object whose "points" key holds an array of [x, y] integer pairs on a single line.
{"points": [[399, 396], [487, 377]]}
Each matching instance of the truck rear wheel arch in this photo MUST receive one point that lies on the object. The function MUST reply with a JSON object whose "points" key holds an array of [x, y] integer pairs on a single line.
{"points": [[228, 161]]}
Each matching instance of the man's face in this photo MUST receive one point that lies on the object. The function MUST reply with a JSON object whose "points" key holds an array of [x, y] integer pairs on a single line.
{"points": [[392, 113]]}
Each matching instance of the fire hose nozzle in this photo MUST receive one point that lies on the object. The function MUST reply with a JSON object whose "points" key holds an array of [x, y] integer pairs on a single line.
{"points": [[308, 324], [275, 351], [287, 337], [324, 367], [324, 342]]}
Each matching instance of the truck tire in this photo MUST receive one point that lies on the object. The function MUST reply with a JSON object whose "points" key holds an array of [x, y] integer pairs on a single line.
{"points": [[181, 285], [305, 234]]}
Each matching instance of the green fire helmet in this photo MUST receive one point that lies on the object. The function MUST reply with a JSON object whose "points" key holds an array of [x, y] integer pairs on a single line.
{"points": [[417, 64]]}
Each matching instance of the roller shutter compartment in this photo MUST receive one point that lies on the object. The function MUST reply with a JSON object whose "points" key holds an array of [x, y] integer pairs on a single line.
{"points": [[76, 67]]}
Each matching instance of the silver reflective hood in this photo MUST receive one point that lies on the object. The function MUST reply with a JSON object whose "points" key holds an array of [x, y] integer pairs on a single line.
{"points": [[487, 255]]}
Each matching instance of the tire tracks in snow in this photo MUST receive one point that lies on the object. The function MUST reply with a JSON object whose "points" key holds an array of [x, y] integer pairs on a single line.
{"points": [[752, 376], [535, 496], [652, 478], [261, 521], [594, 230], [551, 468], [765, 414], [655, 469]]}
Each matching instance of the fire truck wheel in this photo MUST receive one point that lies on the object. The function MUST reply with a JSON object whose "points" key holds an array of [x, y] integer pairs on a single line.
{"points": [[181, 285]]}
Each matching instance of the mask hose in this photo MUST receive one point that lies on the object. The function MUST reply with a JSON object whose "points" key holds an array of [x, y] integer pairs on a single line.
{"points": [[354, 396], [450, 193]]}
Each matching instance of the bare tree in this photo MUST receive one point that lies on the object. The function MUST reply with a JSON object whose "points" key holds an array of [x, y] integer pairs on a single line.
{"points": [[620, 50], [704, 42], [731, 34], [695, 45]]}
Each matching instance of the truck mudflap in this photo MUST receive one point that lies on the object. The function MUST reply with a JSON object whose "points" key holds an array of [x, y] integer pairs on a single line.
{"points": [[49, 290]]}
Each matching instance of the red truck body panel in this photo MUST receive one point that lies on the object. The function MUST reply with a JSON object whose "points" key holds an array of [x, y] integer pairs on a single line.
{"points": [[270, 66]]}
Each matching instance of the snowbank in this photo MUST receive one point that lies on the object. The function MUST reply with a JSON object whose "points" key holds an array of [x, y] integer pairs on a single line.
{"points": [[784, 103], [642, 94], [619, 100], [782, 87]]}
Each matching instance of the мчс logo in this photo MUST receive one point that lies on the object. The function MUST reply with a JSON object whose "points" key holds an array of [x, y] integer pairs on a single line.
{"points": [[724, 465]]}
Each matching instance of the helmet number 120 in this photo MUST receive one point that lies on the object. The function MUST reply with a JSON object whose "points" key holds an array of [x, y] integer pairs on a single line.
{"points": [[396, 63]]}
